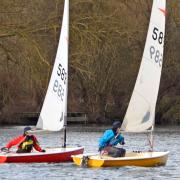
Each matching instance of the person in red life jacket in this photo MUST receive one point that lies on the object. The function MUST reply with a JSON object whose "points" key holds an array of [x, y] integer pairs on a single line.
{"points": [[25, 142]]}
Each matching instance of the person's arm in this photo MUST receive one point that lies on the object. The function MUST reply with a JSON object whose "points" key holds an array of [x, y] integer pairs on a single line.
{"points": [[105, 139], [121, 139], [108, 135], [36, 145], [118, 139], [15, 141]]}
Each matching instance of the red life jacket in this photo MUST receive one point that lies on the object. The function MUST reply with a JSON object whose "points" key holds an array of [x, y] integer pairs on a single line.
{"points": [[24, 142]]}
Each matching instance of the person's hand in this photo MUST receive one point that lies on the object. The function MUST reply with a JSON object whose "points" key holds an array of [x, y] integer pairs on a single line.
{"points": [[118, 131], [43, 150], [122, 143], [4, 149]]}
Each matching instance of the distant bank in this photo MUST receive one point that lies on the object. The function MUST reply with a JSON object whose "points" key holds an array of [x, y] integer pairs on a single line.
{"points": [[30, 118]]}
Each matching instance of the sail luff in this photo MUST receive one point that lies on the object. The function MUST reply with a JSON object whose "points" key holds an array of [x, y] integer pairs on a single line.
{"points": [[140, 115]]}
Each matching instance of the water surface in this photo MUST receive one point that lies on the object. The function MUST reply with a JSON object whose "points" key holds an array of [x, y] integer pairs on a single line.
{"points": [[166, 139]]}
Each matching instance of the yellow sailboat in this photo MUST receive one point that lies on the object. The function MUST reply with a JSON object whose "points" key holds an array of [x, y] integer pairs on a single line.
{"points": [[140, 115], [144, 159]]}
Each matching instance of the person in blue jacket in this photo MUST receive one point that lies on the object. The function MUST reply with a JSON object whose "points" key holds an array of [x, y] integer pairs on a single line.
{"points": [[110, 139]]}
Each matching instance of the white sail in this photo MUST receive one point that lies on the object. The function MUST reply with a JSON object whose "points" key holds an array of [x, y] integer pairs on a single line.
{"points": [[140, 114], [54, 110]]}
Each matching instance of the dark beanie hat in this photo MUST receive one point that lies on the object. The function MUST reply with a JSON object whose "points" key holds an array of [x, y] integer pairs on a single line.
{"points": [[27, 129], [116, 124]]}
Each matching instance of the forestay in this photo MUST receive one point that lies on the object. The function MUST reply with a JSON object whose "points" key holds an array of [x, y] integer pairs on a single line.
{"points": [[54, 110], [140, 114]]}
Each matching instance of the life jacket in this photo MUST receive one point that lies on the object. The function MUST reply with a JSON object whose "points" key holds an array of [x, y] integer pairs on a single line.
{"points": [[27, 144]]}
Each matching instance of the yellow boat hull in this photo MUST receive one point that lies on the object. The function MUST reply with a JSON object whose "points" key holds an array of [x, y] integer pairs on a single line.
{"points": [[144, 159]]}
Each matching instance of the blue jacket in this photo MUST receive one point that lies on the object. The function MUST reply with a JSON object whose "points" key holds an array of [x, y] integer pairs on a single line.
{"points": [[108, 139]]}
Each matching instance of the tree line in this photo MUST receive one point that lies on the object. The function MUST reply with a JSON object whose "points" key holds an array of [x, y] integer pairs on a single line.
{"points": [[105, 49]]}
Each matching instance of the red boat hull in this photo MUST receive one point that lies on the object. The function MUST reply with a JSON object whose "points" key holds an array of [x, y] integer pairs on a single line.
{"points": [[52, 155]]}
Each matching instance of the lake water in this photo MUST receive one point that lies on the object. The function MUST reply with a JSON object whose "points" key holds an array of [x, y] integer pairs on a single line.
{"points": [[166, 139]]}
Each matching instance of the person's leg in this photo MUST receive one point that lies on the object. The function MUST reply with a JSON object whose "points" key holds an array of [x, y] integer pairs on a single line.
{"points": [[116, 152], [22, 151]]}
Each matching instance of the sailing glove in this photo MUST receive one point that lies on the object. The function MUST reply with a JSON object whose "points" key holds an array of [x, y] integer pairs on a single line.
{"points": [[122, 143], [4, 149]]}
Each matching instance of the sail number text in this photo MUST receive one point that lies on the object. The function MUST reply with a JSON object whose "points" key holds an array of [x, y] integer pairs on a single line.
{"points": [[158, 35], [58, 86], [155, 54], [61, 72]]}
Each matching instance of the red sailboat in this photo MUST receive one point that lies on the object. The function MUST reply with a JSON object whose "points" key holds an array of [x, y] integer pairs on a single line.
{"points": [[53, 116]]}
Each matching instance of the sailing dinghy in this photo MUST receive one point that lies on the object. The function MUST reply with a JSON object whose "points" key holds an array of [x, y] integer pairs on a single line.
{"points": [[53, 115], [140, 115]]}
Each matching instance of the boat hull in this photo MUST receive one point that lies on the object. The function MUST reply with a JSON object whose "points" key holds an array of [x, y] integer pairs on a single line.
{"points": [[144, 159], [52, 155]]}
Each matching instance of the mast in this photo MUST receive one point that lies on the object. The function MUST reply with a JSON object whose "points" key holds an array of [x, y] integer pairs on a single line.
{"points": [[151, 139], [64, 138], [66, 14]]}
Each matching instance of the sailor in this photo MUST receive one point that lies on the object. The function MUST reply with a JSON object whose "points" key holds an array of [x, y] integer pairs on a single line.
{"points": [[25, 142], [110, 139]]}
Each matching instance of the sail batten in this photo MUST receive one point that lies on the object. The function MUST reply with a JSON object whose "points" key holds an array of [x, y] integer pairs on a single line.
{"points": [[54, 110], [140, 114]]}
